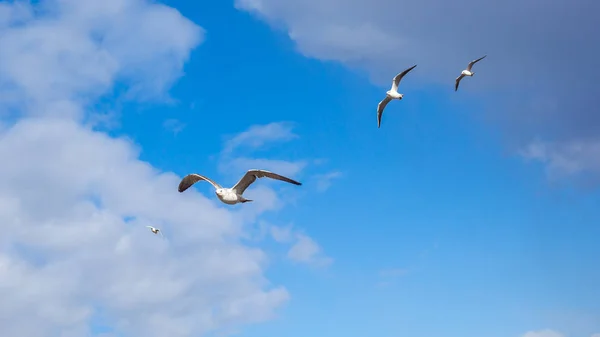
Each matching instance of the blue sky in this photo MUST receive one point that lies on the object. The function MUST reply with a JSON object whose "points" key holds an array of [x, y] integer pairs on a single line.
{"points": [[435, 224], [488, 244]]}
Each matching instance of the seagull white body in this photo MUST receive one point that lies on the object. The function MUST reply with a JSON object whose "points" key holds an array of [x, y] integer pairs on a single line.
{"points": [[155, 230], [391, 94], [467, 72], [233, 195]]}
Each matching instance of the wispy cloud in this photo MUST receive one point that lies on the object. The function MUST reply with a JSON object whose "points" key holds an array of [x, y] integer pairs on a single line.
{"points": [[306, 250], [565, 158], [393, 272], [258, 136], [173, 125], [543, 333], [388, 276], [303, 248], [324, 181], [283, 167], [238, 151]]}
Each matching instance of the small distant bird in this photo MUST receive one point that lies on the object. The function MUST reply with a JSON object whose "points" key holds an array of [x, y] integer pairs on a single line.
{"points": [[391, 94], [155, 230], [232, 196], [467, 72]]}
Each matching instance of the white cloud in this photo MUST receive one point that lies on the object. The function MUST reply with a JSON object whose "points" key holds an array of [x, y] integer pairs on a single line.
{"points": [[173, 125], [257, 136], [74, 201], [543, 333], [238, 151], [324, 181], [68, 52], [283, 167], [239, 155], [393, 272], [281, 234], [565, 158], [306, 250], [65, 191], [596, 335], [303, 248]]}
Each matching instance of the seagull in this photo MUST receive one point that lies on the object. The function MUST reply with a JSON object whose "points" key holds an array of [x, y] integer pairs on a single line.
{"points": [[155, 230], [467, 72], [391, 94], [232, 196]]}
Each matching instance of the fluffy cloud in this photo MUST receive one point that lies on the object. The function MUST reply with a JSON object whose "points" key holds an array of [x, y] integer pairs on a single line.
{"points": [[75, 257], [64, 53], [303, 249], [539, 79], [74, 206]]}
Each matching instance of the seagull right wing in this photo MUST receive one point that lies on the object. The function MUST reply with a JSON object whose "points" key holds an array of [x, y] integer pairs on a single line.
{"points": [[474, 61], [251, 176], [380, 108], [193, 178], [397, 78], [458, 81]]}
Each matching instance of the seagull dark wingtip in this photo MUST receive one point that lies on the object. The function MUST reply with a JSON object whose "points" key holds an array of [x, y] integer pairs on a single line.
{"points": [[182, 188]]}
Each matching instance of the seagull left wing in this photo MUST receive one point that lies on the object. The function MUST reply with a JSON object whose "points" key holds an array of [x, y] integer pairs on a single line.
{"points": [[473, 62], [251, 176]]}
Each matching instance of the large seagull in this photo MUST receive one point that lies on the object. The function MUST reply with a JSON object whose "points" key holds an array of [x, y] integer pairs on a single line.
{"points": [[391, 94], [232, 196], [467, 72]]}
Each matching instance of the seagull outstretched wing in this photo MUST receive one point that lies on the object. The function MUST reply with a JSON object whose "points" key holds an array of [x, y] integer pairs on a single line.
{"points": [[193, 178], [251, 176], [474, 61]]}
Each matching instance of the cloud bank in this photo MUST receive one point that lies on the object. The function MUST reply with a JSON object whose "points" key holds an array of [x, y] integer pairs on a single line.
{"points": [[75, 257]]}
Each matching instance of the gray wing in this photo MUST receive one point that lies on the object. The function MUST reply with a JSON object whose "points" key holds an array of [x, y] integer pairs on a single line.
{"points": [[380, 108], [473, 62], [193, 178], [458, 81], [251, 176], [396, 81]]}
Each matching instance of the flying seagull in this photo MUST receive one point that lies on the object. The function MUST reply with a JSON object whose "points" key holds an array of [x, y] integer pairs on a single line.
{"points": [[232, 196], [467, 72], [391, 94], [155, 230]]}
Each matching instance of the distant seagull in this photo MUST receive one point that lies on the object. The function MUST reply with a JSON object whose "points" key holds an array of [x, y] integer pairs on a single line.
{"points": [[467, 72], [155, 230], [391, 94], [232, 196]]}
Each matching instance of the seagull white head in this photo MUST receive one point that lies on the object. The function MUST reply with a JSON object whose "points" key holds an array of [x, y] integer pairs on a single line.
{"points": [[220, 191]]}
